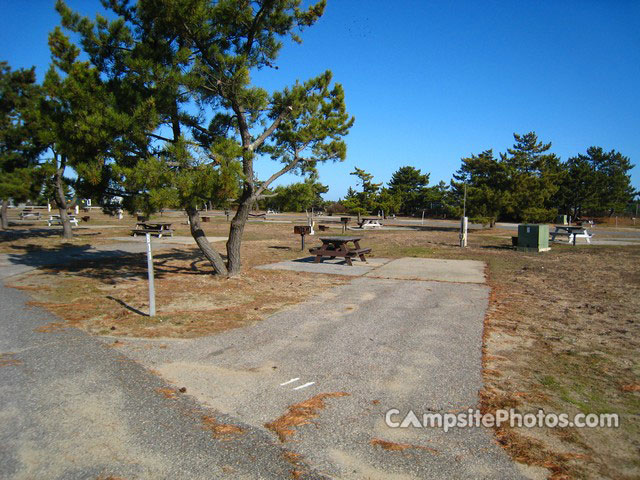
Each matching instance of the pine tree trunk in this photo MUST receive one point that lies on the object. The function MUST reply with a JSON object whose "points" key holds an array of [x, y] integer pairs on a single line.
{"points": [[235, 237], [205, 247], [61, 201], [4, 221]]}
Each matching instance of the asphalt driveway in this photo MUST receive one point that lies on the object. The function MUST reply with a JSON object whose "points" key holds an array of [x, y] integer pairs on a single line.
{"points": [[372, 345]]}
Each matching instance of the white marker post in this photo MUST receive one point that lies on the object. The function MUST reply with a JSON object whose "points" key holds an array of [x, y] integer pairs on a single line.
{"points": [[463, 231], [464, 221], [152, 290]]}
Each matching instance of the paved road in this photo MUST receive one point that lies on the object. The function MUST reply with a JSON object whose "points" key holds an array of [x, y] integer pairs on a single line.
{"points": [[72, 408]]}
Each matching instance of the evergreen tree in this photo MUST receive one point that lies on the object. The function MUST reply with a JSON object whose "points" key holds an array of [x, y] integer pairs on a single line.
{"points": [[364, 201], [487, 184], [19, 148], [298, 197], [168, 54], [596, 183], [388, 202], [534, 176], [410, 185], [77, 122]]}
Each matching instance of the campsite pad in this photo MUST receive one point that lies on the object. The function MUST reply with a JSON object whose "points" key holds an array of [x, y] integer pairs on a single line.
{"points": [[333, 266], [462, 271]]}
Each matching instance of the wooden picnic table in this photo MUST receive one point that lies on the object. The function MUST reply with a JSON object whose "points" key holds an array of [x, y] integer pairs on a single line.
{"points": [[338, 247], [154, 228], [572, 232]]}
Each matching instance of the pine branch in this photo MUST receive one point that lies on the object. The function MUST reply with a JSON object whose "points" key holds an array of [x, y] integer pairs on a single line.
{"points": [[260, 140]]}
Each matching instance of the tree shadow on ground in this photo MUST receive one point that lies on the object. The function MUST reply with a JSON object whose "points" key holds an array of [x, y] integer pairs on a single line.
{"points": [[33, 233], [498, 247], [108, 265]]}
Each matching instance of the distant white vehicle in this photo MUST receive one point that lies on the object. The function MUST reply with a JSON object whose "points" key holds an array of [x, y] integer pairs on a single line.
{"points": [[271, 212]]}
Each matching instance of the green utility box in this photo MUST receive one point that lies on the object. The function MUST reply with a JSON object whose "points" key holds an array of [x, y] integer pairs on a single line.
{"points": [[562, 220], [533, 238]]}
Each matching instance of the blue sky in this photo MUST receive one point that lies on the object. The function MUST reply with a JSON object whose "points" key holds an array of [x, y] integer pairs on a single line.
{"points": [[430, 82]]}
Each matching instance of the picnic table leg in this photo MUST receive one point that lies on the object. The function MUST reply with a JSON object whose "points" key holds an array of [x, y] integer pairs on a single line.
{"points": [[345, 251], [361, 255]]}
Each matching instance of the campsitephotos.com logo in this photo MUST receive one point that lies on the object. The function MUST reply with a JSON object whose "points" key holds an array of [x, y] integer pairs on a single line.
{"points": [[473, 418]]}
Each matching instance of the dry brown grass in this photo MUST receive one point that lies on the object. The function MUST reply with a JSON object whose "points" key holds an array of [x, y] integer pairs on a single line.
{"points": [[50, 327], [110, 296], [300, 414], [222, 431], [9, 360], [167, 392], [399, 447]]}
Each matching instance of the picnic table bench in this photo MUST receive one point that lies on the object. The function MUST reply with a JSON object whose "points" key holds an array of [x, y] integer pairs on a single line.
{"points": [[571, 232], [153, 228], [28, 212], [369, 223], [56, 220], [338, 247]]}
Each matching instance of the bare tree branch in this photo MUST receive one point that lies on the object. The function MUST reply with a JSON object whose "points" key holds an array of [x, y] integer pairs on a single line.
{"points": [[260, 140], [287, 168], [161, 138]]}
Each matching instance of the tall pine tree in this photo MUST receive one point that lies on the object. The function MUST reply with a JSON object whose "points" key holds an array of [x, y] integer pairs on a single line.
{"points": [[178, 53], [534, 176], [19, 147]]}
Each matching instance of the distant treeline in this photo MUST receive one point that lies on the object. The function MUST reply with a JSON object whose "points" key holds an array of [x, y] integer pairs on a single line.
{"points": [[526, 183]]}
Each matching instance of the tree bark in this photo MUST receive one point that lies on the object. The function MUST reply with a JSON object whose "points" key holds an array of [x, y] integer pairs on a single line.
{"points": [[4, 221], [205, 247], [61, 201], [235, 235]]}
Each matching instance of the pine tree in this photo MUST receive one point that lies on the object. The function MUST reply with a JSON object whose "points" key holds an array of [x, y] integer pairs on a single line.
{"points": [[487, 185], [170, 54], [364, 201], [19, 148], [596, 183], [410, 185], [534, 176], [77, 122]]}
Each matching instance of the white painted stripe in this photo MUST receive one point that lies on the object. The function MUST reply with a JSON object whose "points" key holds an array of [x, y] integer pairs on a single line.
{"points": [[290, 381], [304, 386]]}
